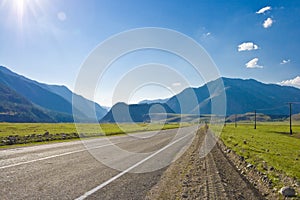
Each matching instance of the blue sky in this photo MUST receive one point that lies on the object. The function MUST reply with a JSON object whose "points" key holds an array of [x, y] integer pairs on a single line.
{"points": [[48, 40]]}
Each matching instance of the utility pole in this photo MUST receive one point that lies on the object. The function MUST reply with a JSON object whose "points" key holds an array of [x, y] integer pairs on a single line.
{"points": [[235, 124], [291, 131], [254, 119]]}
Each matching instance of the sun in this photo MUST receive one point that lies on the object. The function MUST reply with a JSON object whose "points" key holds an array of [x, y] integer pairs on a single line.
{"points": [[19, 9], [19, 5]]}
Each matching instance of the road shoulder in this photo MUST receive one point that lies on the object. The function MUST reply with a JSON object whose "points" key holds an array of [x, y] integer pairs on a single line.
{"points": [[211, 177]]}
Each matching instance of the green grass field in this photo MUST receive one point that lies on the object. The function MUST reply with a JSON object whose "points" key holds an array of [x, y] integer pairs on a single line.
{"points": [[22, 129], [270, 145], [24, 133]]}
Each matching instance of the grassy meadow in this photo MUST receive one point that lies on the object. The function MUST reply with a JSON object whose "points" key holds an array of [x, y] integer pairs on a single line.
{"points": [[24, 133], [267, 147]]}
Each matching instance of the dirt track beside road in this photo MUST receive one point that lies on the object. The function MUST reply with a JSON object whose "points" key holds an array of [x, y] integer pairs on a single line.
{"points": [[209, 177]]}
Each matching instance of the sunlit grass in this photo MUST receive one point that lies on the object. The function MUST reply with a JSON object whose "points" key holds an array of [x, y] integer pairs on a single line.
{"points": [[24, 133], [268, 145]]}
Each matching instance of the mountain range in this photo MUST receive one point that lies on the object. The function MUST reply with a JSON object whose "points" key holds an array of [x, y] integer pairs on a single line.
{"points": [[26, 100], [242, 96]]}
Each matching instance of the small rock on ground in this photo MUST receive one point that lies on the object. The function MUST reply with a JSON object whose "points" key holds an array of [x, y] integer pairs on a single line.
{"points": [[287, 191]]}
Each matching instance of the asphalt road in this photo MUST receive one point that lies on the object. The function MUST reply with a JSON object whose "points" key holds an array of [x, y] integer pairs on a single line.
{"points": [[123, 167]]}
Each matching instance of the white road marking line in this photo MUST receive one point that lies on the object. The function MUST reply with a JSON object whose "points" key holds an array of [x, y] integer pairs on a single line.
{"points": [[85, 195], [53, 156]]}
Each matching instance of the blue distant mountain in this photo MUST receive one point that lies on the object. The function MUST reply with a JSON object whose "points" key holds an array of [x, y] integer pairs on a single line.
{"points": [[242, 96], [154, 101], [122, 112], [25, 100], [52, 100]]}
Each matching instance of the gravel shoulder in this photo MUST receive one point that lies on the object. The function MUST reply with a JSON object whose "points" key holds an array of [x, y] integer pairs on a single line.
{"points": [[211, 177]]}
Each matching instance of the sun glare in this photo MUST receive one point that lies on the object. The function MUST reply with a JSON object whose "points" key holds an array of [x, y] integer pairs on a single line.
{"points": [[19, 9], [19, 6]]}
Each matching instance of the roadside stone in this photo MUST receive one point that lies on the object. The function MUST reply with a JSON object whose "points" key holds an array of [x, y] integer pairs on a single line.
{"points": [[265, 194], [265, 178], [287, 191], [265, 166], [242, 158], [82, 135], [249, 166], [46, 134], [258, 172], [228, 151], [76, 135], [11, 140], [184, 196]]}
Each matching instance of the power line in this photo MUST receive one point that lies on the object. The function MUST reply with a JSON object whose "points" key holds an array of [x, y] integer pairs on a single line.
{"points": [[295, 102], [272, 108]]}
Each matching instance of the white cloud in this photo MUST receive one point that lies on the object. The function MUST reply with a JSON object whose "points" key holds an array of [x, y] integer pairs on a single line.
{"points": [[253, 63], [247, 46], [206, 35], [203, 33], [61, 16], [177, 84], [283, 62], [268, 23], [292, 82], [264, 9]]}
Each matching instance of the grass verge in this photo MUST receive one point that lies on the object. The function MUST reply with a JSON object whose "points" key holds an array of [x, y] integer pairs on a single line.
{"points": [[269, 148], [14, 134]]}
